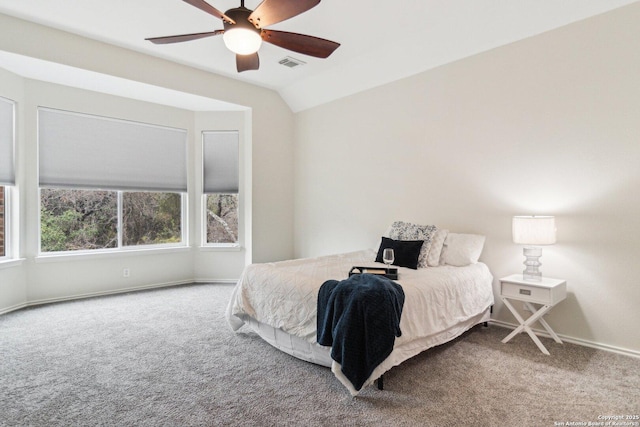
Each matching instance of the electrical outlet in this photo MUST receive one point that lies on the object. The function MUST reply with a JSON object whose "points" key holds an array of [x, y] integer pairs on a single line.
{"points": [[126, 272]]}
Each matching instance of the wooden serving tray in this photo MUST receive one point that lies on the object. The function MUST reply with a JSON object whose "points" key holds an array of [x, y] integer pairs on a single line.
{"points": [[389, 273]]}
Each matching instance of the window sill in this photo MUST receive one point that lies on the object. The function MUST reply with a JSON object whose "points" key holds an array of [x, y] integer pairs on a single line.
{"points": [[13, 262], [67, 256], [221, 248]]}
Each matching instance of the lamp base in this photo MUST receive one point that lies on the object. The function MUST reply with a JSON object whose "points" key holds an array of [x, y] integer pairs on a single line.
{"points": [[532, 273]]}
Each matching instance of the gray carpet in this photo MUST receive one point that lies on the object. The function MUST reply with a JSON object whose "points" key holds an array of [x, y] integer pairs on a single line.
{"points": [[167, 358]]}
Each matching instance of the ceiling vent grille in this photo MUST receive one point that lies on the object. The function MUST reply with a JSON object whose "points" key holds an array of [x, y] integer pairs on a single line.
{"points": [[290, 62]]}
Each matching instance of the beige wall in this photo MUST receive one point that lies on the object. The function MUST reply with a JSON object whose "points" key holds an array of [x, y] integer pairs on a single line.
{"points": [[78, 275], [548, 125], [13, 284], [224, 264], [272, 120], [267, 136]]}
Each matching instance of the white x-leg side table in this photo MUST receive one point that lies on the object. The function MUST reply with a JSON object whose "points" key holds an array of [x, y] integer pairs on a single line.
{"points": [[547, 292]]}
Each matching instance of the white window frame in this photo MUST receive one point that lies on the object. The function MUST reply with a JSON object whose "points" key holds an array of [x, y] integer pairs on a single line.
{"points": [[120, 247], [184, 224], [10, 220], [11, 242], [238, 245], [118, 187], [8, 235], [205, 221]]}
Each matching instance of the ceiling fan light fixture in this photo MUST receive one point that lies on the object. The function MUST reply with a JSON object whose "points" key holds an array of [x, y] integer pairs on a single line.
{"points": [[244, 30], [243, 41]]}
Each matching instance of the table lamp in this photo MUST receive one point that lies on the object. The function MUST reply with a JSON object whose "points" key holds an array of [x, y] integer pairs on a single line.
{"points": [[533, 231]]}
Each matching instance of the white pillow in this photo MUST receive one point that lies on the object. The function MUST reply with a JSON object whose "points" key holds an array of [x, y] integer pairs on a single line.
{"points": [[462, 249], [437, 241]]}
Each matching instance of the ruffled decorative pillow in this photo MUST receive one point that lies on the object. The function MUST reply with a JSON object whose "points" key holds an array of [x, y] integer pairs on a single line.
{"points": [[401, 230]]}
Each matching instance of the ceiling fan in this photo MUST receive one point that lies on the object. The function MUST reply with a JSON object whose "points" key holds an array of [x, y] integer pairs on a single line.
{"points": [[244, 31]]}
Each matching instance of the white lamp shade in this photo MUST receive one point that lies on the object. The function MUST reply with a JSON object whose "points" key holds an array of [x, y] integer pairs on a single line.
{"points": [[242, 41], [534, 230]]}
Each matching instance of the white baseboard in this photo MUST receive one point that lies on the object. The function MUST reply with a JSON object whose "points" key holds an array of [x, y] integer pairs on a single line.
{"points": [[573, 340], [111, 292], [13, 308], [218, 281]]}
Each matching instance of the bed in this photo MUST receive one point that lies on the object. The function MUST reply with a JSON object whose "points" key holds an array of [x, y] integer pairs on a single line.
{"points": [[279, 302]]}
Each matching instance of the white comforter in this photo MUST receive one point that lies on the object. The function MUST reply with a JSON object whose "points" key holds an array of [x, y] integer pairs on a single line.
{"points": [[284, 295]]}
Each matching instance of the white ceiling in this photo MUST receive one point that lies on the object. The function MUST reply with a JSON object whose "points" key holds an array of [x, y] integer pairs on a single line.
{"points": [[380, 41]]}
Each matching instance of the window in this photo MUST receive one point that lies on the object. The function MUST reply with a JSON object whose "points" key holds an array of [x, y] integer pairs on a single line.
{"points": [[222, 218], [221, 186], [151, 218], [7, 172], [108, 184], [72, 220]]}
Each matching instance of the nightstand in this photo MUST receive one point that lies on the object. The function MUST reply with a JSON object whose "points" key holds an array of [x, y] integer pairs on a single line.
{"points": [[547, 293]]}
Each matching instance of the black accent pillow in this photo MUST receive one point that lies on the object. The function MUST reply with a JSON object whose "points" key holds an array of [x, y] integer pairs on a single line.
{"points": [[406, 252]]}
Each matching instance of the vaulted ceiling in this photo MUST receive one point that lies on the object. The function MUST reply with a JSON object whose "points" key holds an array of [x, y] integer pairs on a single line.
{"points": [[380, 41]]}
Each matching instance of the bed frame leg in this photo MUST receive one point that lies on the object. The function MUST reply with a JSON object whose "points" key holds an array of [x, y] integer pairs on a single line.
{"points": [[486, 324], [381, 382]]}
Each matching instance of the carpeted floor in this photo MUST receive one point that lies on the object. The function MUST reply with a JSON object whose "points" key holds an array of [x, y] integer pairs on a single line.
{"points": [[167, 358]]}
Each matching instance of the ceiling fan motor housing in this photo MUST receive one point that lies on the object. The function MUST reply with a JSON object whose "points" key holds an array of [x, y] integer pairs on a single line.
{"points": [[241, 16]]}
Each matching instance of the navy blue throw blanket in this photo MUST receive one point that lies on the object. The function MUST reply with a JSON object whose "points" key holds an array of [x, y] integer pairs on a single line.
{"points": [[359, 318]]}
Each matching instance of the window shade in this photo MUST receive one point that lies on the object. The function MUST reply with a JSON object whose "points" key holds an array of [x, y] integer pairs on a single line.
{"points": [[7, 138], [220, 162], [84, 151]]}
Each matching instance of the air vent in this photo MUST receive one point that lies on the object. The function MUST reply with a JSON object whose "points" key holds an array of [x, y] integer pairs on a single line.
{"points": [[290, 62]]}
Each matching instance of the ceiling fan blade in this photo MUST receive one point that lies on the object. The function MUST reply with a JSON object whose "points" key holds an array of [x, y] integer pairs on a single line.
{"points": [[308, 45], [247, 62], [183, 37], [203, 5], [271, 11]]}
